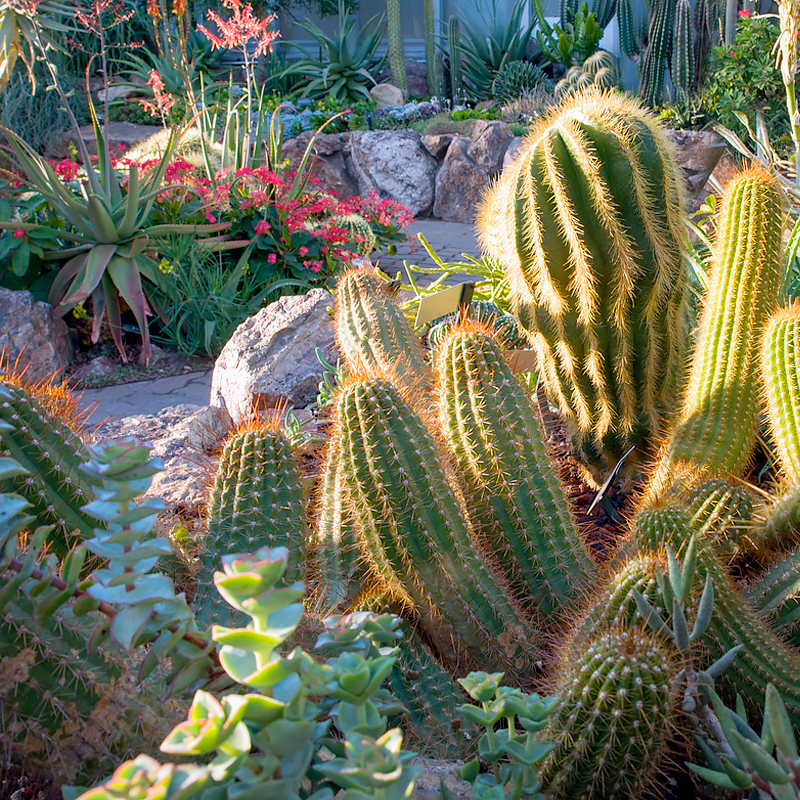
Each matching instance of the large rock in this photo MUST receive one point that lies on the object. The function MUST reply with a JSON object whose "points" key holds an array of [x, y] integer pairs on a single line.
{"points": [[515, 147], [272, 356], [698, 154], [394, 164], [387, 95], [183, 436], [29, 332], [490, 138], [328, 163], [460, 184], [437, 143]]}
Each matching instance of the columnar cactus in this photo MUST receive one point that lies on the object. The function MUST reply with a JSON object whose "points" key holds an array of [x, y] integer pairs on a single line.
{"points": [[654, 60], [681, 68], [518, 502], [418, 537], [395, 34], [36, 430], [454, 43], [588, 226], [616, 721], [777, 593], [256, 500], [717, 425], [780, 367], [372, 331]]}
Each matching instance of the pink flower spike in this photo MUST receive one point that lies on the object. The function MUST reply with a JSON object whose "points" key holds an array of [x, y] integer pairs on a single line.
{"points": [[272, 258]]}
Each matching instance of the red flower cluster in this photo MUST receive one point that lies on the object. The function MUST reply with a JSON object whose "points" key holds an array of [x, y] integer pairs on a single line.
{"points": [[163, 100], [240, 28]]}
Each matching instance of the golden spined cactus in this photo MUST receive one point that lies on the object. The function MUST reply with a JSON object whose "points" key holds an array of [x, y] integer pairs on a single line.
{"points": [[588, 224], [716, 428]]}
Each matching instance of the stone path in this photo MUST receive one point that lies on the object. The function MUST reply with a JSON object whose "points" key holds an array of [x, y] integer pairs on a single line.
{"points": [[448, 239]]}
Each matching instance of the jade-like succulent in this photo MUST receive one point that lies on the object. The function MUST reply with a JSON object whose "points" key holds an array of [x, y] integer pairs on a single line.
{"points": [[588, 225]]}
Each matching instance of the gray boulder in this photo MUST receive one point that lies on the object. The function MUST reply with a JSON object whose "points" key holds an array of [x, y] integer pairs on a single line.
{"points": [[437, 143], [271, 358], [327, 163], [490, 138], [394, 164], [29, 332], [460, 184]]}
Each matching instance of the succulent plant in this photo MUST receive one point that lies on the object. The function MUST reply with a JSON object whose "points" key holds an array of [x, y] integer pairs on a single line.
{"points": [[515, 78], [594, 259], [38, 430], [716, 428], [395, 36], [495, 434], [418, 536], [372, 331], [256, 500], [614, 727], [601, 71]]}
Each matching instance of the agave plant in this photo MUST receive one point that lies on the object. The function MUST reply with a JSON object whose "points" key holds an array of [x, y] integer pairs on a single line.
{"points": [[345, 67], [107, 232], [486, 51]]}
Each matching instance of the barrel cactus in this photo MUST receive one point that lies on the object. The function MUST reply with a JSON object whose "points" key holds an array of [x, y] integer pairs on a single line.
{"points": [[588, 226]]}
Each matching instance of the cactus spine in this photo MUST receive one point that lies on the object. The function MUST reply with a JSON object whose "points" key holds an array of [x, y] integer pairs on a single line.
{"points": [[256, 500], [372, 331], [395, 34], [494, 433], [615, 723], [36, 435], [417, 534], [593, 257], [717, 425], [454, 43], [780, 367]]}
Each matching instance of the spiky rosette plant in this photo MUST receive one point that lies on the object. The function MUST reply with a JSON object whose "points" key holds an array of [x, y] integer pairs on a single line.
{"points": [[256, 500], [588, 226], [39, 429], [616, 721], [371, 330], [517, 500], [716, 428], [418, 536]]}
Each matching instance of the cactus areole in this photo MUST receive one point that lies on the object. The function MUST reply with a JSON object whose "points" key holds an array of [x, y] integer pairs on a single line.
{"points": [[588, 225]]}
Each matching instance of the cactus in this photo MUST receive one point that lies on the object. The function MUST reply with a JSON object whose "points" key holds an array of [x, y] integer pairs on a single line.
{"points": [[681, 68], [515, 78], [395, 35], [780, 368], [777, 592], [505, 327], [438, 89], [433, 67], [630, 35], [418, 536], [71, 711], [600, 70], [494, 433], [604, 11], [717, 425], [593, 257], [359, 233], [659, 40], [372, 331], [338, 573], [764, 657], [454, 43], [256, 500], [37, 432], [615, 725], [781, 524]]}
